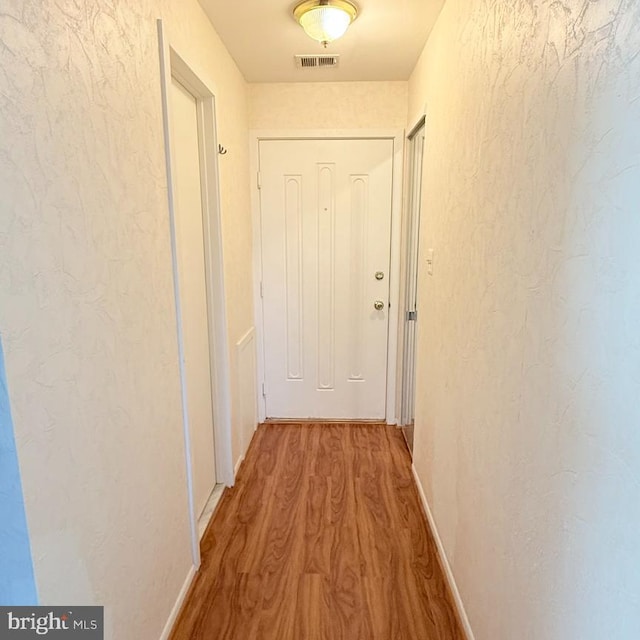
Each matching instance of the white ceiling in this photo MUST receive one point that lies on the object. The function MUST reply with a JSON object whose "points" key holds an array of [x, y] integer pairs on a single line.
{"points": [[383, 43]]}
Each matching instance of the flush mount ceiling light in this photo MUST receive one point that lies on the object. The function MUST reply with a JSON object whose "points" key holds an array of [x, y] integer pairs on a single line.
{"points": [[325, 20]]}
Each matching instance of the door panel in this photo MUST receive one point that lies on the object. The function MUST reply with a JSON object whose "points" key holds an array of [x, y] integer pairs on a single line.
{"points": [[193, 290], [326, 225]]}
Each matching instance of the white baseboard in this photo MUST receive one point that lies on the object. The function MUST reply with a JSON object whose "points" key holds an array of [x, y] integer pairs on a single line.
{"points": [[464, 619], [166, 632]]}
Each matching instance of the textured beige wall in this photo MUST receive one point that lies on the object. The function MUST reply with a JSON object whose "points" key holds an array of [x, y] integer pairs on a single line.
{"points": [[328, 105], [86, 301], [527, 435]]}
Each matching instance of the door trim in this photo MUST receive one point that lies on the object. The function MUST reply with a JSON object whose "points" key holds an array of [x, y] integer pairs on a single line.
{"points": [[414, 126], [411, 255], [174, 65], [397, 136]]}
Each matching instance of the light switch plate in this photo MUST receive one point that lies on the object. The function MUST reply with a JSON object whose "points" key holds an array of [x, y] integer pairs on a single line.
{"points": [[430, 262]]}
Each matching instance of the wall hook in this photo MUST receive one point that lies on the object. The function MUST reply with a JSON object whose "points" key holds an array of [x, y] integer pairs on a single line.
{"points": [[221, 150]]}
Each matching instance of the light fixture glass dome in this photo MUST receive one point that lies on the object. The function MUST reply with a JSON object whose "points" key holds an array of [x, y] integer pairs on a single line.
{"points": [[325, 20]]}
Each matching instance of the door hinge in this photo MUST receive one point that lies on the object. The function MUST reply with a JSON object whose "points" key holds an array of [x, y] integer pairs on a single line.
{"points": [[259, 179], [412, 316], [261, 289], [264, 390]]}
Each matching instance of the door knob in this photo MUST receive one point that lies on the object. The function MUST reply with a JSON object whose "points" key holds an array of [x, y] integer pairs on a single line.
{"points": [[378, 305]]}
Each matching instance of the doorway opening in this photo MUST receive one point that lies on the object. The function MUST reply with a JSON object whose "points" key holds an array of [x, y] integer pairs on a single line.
{"points": [[191, 150], [415, 151]]}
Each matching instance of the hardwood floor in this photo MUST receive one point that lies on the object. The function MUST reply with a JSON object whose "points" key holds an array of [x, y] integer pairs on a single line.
{"points": [[322, 538]]}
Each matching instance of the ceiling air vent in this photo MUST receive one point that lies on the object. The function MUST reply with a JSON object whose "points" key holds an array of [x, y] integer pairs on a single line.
{"points": [[316, 61]]}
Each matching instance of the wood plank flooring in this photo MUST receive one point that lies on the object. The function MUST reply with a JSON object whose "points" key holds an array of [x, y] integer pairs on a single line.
{"points": [[322, 538]]}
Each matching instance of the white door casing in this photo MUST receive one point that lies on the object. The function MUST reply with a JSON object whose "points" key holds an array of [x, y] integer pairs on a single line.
{"points": [[176, 65], [414, 169], [193, 289], [325, 233]]}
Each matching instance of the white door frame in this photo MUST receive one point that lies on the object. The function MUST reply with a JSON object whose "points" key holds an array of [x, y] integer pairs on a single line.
{"points": [[411, 245], [174, 65], [397, 136]]}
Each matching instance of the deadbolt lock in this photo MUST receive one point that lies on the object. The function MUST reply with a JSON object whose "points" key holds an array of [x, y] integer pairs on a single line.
{"points": [[379, 275]]}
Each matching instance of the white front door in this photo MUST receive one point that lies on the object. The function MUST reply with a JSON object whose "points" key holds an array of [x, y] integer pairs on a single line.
{"points": [[326, 228], [192, 287]]}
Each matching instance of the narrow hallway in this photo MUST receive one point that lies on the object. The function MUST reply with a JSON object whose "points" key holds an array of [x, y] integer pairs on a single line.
{"points": [[322, 537], [209, 219]]}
